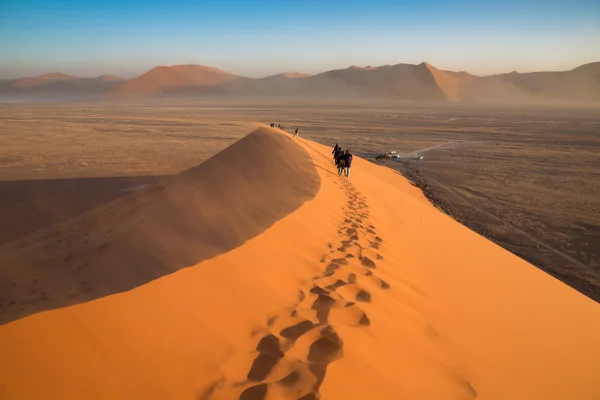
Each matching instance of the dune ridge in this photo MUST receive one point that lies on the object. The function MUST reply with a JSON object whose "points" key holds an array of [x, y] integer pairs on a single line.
{"points": [[365, 291], [196, 215]]}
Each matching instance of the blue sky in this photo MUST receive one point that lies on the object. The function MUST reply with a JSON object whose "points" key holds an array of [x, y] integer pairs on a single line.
{"points": [[258, 38]]}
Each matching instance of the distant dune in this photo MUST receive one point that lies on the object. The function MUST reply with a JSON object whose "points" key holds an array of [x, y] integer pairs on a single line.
{"points": [[579, 84], [291, 75], [402, 81], [422, 82], [300, 284], [450, 83], [163, 79], [58, 86], [110, 78], [42, 80]]}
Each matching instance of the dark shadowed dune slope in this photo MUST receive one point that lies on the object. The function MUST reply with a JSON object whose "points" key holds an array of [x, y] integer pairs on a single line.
{"points": [[198, 214]]}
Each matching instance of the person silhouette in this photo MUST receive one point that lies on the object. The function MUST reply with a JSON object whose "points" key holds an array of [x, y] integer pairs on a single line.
{"points": [[347, 162]]}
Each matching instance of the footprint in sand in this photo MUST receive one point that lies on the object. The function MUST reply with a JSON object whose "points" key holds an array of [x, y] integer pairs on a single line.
{"points": [[290, 360]]}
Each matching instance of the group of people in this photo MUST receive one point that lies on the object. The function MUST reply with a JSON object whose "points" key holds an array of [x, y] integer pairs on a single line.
{"points": [[281, 127], [343, 160]]}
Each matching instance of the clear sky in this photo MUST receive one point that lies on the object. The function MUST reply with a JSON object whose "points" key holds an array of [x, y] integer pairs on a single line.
{"points": [[262, 37]]}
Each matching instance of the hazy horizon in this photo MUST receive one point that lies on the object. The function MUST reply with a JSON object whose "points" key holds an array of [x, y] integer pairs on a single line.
{"points": [[257, 39]]}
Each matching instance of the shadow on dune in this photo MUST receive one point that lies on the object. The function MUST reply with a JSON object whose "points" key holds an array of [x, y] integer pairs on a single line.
{"points": [[157, 230], [28, 205]]}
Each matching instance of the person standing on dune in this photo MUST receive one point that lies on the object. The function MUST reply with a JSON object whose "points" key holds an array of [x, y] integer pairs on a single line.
{"points": [[347, 163], [335, 152], [339, 161], [296, 133]]}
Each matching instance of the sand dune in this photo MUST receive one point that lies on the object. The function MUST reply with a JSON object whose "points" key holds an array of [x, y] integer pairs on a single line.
{"points": [[289, 75], [421, 82], [364, 291], [168, 79], [579, 84], [402, 81], [58, 86], [450, 83], [425, 82], [154, 231], [41, 80], [110, 78], [28, 205]]}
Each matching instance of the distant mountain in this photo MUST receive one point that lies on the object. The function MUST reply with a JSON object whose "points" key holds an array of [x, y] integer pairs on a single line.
{"points": [[579, 84], [401, 81], [450, 83], [110, 78], [58, 86], [421, 82], [42, 80], [163, 79], [288, 75]]}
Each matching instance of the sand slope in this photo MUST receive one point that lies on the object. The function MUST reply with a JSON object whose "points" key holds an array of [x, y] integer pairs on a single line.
{"points": [[366, 291], [198, 214], [450, 83]]}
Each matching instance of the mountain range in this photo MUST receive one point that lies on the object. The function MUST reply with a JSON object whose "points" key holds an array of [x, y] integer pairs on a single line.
{"points": [[400, 81]]}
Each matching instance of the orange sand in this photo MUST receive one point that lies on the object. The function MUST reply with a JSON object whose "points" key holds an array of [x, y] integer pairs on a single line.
{"points": [[461, 319]]}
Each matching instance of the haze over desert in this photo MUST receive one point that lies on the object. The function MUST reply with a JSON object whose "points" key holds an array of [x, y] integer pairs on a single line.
{"points": [[284, 201]]}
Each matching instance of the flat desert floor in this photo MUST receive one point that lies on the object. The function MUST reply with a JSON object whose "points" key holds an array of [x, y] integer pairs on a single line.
{"points": [[527, 178]]}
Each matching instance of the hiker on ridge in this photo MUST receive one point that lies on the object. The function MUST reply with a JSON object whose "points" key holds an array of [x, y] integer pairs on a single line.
{"points": [[296, 133], [339, 161], [347, 162], [335, 152]]}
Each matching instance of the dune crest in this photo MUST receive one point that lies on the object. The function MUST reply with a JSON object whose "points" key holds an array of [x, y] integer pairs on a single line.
{"points": [[198, 214]]}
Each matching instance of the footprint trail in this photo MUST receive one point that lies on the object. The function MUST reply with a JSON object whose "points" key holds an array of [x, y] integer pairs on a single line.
{"points": [[291, 356]]}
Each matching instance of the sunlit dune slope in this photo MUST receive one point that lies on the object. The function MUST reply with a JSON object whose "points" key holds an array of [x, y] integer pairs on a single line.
{"points": [[450, 83], [364, 292], [198, 214]]}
